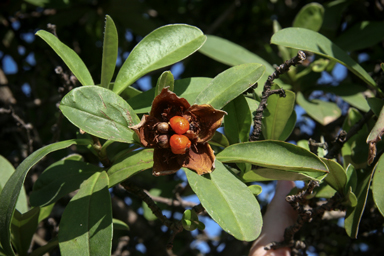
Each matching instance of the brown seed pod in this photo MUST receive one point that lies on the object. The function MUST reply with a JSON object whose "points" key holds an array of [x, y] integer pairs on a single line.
{"points": [[162, 127], [163, 141]]}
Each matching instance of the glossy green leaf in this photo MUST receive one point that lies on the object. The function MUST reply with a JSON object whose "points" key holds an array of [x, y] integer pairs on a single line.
{"points": [[377, 185], [310, 17], [110, 48], [23, 227], [337, 176], [237, 124], [162, 47], [255, 189], [233, 54], [219, 193], [376, 105], [59, 179], [11, 190], [355, 150], [86, 224], [289, 127], [274, 154], [219, 139], [361, 35], [165, 80], [375, 136], [308, 40], [277, 114], [321, 111], [187, 88], [70, 57], [100, 112], [229, 84], [6, 170], [354, 214], [268, 174], [135, 161]]}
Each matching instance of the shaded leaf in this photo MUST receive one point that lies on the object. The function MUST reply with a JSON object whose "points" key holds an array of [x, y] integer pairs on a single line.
{"points": [[11, 190], [70, 57], [59, 179], [219, 139], [310, 17], [268, 174], [7, 170], [274, 154], [377, 184], [376, 105], [361, 35], [321, 111], [276, 114], [165, 80], [232, 54], [337, 176], [86, 224], [162, 47], [110, 48], [354, 214], [100, 112], [229, 84], [237, 124], [119, 225], [308, 40], [219, 193], [46, 248], [289, 126], [135, 161]]}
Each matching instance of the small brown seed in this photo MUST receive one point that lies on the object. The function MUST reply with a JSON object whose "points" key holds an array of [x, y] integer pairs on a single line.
{"points": [[162, 127], [163, 141]]}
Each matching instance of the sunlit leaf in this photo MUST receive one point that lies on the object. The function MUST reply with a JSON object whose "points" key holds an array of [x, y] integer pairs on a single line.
{"points": [[219, 193], [70, 57], [165, 80], [100, 112], [162, 47], [110, 48]]}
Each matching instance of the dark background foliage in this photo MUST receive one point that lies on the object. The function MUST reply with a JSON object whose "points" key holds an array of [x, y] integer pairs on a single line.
{"points": [[31, 88]]}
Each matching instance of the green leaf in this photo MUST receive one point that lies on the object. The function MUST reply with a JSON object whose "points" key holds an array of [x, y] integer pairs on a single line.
{"points": [[289, 126], [110, 48], [376, 105], [219, 139], [324, 191], [274, 154], [46, 248], [351, 93], [12, 189], [337, 176], [86, 224], [351, 178], [190, 220], [375, 136], [6, 171], [162, 47], [229, 84], [377, 185], [237, 124], [355, 150], [354, 214], [70, 58], [119, 225], [23, 228], [283, 51], [310, 17], [361, 35], [165, 80], [321, 111], [233, 54], [45, 212], [255, 189], [268, 174], [59, 179], [219, 193], [308, 40], [187, 88], [147, 212], [277, 114], [100, 112], [136, 161]]}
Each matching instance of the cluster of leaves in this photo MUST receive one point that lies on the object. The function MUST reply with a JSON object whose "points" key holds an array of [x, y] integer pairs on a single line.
{"points": [[99, 111]]}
